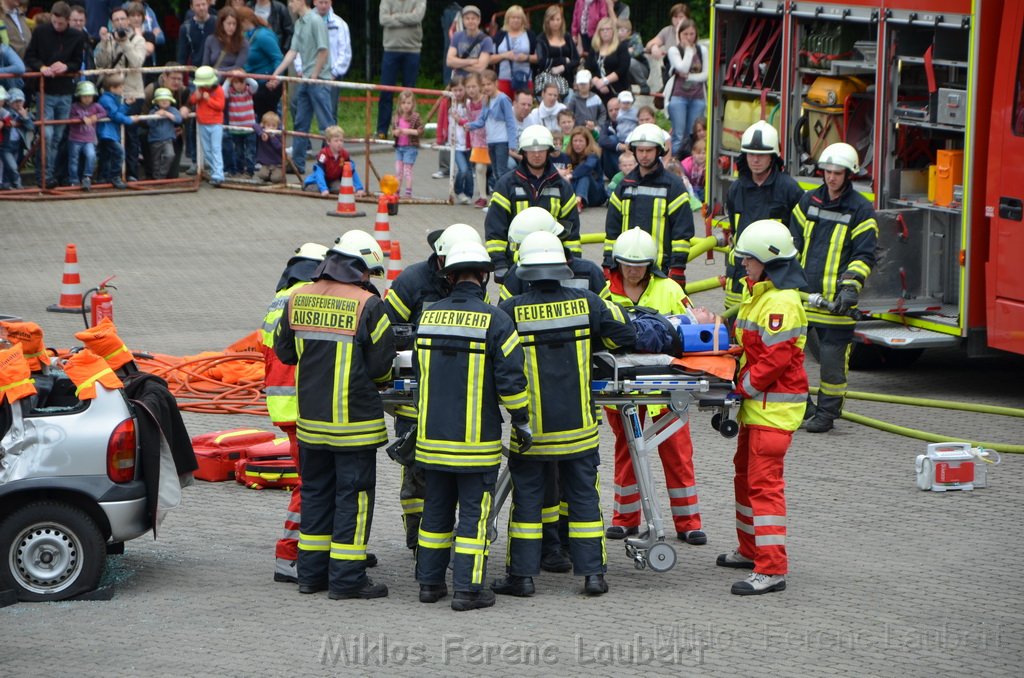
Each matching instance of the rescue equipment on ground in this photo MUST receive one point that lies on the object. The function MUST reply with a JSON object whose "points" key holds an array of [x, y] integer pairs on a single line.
{"points": [[218, 452], [70, 284], [954, 466], [346, 196], [267, 465]]}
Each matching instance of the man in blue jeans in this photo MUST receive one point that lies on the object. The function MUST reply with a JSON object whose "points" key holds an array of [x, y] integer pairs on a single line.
{"points": [[54, 50], [402, 24], [310, 42]]}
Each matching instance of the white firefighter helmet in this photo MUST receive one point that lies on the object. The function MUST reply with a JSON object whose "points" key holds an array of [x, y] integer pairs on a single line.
{"points": [[453, 235], [542, 257], [766, 240], [760, 139], [647, 134], [536, 138], [838, 157], [530, 220], [635, 246], [310, 250], [361, 245], [467, 256]]}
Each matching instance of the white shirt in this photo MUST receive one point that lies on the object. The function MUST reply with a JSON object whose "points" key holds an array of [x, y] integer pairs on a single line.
{"points": [[340, 42], [546, 116]]}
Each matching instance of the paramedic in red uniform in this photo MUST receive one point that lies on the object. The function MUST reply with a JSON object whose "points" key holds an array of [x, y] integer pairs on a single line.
{"points": [[636, 280], [771, 327], [279, 388]]}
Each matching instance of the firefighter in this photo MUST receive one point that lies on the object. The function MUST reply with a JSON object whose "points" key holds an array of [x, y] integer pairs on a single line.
{"points": [[558, 327], [763, 190], [586, 275], [337, 333], [280, 394], [835, 231], [654, 199], [535, 182], [418, 287], [771, 326], [467, 360], [637, 281]]}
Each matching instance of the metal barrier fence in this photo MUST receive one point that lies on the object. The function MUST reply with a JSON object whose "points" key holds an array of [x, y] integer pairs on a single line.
{"points": [[38, 148]]}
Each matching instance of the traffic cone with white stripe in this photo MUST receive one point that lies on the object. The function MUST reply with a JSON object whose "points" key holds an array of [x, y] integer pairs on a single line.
{"points": [[381, 228], [395, 265], [70, 285], [346, 196]]}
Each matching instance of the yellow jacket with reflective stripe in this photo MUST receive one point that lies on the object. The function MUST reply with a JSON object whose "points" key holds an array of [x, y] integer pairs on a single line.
{"points": [[279, 383], [468, 360], [836, 240], [772, 328], [558, 327]]}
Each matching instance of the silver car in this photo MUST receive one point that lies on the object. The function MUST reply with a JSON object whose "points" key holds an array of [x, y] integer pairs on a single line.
{"points": [[70, 491]]}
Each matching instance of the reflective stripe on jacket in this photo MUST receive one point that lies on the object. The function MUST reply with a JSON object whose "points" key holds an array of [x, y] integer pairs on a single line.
{"points": [[513, 193], [836, 240], [279, 383], [340, 338], [657, 203], [558, 327], [772, 328], [468, 360]]}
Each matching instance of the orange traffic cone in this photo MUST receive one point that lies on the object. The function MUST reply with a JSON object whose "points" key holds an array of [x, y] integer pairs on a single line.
{"points": [[70, 285], [381, 229], [395, 266], [346, 196]]}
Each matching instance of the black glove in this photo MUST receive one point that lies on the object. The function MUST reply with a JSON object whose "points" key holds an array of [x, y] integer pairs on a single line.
{"points": [[846, 298], [499, 274], [523, 436], [403, 450]]}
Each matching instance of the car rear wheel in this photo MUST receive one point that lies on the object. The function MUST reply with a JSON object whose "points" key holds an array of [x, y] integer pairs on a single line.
{"points": [[51, 551]]}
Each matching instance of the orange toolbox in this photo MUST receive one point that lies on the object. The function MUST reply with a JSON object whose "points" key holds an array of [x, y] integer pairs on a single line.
{"points": [[218, 452], [268, 464]]}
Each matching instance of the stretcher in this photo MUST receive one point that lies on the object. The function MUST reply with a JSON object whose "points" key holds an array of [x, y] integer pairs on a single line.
{"points": [[629, 382]]}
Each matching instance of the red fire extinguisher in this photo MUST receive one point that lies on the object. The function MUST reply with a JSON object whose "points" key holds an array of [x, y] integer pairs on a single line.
{"points": [[102, 303]]}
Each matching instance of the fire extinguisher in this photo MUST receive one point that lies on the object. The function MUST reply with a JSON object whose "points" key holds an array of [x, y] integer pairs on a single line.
{"points": [[102, 303]]}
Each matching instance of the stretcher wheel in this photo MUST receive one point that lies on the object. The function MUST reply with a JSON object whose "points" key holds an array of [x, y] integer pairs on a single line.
{"points": [[729, 428], [661, 557], [716, 421]]}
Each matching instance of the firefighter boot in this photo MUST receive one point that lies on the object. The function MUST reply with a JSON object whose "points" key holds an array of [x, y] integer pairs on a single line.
{"points": [[693, 537], [431, 593], [367, 591], [758, 583], [595, 585], [556, 561], [472, 600], [514, 585], [821, 422]]}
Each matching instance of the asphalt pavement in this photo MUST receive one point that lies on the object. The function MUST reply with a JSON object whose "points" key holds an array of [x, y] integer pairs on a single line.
{"points": [[885, 579]]}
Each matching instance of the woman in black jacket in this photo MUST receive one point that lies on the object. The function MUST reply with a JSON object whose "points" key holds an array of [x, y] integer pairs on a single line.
{"points": [[609, 61], [556, 55]]}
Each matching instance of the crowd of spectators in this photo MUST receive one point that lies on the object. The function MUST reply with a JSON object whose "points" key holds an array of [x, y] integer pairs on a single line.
{"points": [[579, 72]]}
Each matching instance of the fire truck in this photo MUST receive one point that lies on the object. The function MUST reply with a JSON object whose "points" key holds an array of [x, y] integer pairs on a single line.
{"points": [[931, 94]]}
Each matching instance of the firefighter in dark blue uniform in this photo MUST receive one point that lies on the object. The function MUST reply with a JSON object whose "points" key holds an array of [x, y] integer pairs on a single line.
{"points": [[654, 199], [417, 288], [559, 327], [585, 275], [467, 361], [535, 182], [835, 231], [337, 333], [762, 190]]}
